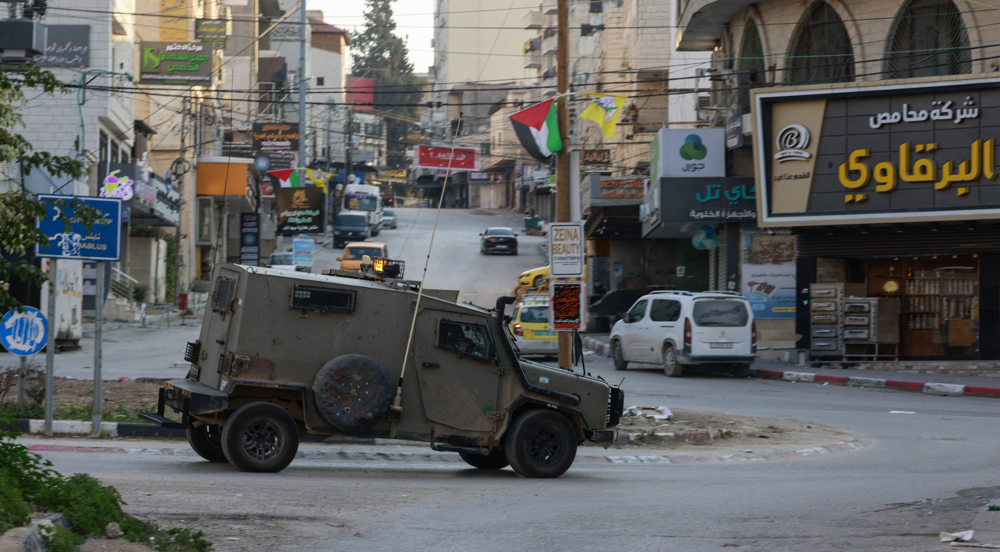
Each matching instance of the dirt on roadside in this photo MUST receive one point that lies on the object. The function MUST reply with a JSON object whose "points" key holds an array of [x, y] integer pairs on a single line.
{"points": [[687, 429], [123, 400]]}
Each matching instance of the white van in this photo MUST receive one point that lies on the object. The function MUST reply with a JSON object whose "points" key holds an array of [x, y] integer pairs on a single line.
{"points": [[679, 328]]}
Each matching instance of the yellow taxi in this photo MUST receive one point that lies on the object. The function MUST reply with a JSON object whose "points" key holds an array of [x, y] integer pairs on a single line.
{"points": [[530, 326], [354, 252], [534, 279]]}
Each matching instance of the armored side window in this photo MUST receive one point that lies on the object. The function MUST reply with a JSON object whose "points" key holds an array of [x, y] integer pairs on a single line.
{"points": [[466, 339], [220, 296], [323, 299]]}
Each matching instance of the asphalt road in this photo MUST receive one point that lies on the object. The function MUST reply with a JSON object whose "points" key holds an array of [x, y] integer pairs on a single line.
{"points": [[455, 261], [924, 472]]}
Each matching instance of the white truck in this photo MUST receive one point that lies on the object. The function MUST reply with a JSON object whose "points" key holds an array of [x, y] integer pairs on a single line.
{"points": [[365, 197]]}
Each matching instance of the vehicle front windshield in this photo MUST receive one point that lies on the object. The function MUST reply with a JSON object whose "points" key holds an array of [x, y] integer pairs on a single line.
{"points": [[361, 203], [351, 220], [357, 253], [283, 259]]}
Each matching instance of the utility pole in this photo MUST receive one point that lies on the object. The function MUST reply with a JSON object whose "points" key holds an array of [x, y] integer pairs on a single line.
{"points": [[348, 162], [302, 93], [180, 189], [562, 156]]}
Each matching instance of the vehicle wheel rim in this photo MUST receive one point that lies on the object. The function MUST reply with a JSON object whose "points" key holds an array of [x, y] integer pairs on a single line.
{"points": [[668, 359], [545, 448], [618, 354], [263, 440]]}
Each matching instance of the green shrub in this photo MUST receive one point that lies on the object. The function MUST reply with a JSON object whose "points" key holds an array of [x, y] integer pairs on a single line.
{"points": [[171, 540], [14, 511], [58, 539], [88, 505], [27, 410]]}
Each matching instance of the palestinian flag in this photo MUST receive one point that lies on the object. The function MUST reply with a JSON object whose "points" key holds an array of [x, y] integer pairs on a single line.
{"points": [[538, 129], [288, 178]]}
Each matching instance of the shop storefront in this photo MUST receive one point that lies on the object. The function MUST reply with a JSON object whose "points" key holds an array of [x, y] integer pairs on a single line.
{"points": [[893, 194]]}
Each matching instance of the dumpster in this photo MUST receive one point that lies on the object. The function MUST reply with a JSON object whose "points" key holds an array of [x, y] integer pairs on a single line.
{"points": [[531, 223], [182, 301]]}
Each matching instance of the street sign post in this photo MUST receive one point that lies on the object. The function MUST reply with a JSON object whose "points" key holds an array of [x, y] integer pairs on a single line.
{"points": [[566, 250], [24, 332], [102, 242]]}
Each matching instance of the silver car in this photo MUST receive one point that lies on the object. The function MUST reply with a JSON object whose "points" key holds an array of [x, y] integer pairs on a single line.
{"points": [[389, 218]]}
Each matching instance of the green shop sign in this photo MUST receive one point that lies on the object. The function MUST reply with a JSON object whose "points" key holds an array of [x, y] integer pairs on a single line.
{"points": [[184, 63], [213, 31]]}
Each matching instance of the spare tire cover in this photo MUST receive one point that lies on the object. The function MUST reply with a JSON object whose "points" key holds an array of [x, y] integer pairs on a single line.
{"points": [[352, 392]]}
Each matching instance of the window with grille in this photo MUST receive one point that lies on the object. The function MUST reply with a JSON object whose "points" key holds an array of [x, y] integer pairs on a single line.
{"points": [[928, 40], [220, 296], [323, 299], [466, 339], [821, 51]]}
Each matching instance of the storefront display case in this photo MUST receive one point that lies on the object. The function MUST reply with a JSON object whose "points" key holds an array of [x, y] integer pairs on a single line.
{"points": [[940, 303]]}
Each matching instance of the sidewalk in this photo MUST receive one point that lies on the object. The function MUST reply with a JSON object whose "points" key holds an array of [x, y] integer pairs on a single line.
{"points": [[932, 384]]}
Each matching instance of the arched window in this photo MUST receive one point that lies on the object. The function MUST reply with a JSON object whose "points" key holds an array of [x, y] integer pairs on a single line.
{"points": [[928, 39], [750, 67], [821, 51]]}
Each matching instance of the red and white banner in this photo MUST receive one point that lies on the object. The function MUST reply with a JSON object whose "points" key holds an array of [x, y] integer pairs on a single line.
{"points": [[438, 157]]}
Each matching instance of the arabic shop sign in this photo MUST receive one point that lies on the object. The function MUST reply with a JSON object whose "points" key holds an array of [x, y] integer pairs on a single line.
{"points": [[877, 154], [617, 191], [596, 157], [300, 210], [66, 46], [731, 199], [213, 31], [184, 63]]}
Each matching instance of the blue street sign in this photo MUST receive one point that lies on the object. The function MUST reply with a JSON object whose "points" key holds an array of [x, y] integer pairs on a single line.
{"points": [[102, 243], [126, 213], [263, 162], [24, 332]]}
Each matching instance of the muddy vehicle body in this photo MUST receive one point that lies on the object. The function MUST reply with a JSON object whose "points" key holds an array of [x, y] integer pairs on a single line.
{"points": [[283, 354]]}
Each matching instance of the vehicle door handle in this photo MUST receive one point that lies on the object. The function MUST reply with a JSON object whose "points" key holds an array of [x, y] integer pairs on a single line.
{"points": [[660, 326], [431, 365]]}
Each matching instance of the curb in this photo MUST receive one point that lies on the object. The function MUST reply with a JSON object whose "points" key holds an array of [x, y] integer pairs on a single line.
{"points": [[456, 459], [927, 388], [596, 346]]}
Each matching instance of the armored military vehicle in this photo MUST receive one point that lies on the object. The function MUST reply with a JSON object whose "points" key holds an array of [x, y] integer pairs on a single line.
{"points": [[283, 354]]}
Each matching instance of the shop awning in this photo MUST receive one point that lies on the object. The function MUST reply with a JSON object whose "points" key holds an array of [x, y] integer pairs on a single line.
{"points": [[618, 223]]}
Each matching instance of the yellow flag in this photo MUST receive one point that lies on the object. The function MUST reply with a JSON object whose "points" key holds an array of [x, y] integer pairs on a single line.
{"points": [[604, 111]]}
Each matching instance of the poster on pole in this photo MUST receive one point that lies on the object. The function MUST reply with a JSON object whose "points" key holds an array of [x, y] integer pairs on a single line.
{"points": [[566, 250], [101, 243], [250, 239], [302, 251], [567, 305]]}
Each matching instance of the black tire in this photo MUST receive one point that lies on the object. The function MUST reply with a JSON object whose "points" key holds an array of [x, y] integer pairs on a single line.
{"points": [[671, 367], [260, 437], [206, 440], [495, 460], [537, 282], [617, 356], [540, 444], [514, 252], [743, 370]]}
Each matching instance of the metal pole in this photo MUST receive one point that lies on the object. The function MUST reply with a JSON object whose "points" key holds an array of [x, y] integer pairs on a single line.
{"points": [[20, 380], [562, 156], [98, 337], [50, 348], [194, 215], [302, 92]]}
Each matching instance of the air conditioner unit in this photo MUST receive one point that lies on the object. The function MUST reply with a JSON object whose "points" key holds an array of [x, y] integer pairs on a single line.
{"points": [[21, 40]]}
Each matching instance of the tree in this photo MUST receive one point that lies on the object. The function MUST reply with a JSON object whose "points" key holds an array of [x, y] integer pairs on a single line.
{"points": [[382, 56], [18, 209]]}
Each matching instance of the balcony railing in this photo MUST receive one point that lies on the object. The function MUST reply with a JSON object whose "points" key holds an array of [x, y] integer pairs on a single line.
{"points": [[532, 60], [550, 7]]}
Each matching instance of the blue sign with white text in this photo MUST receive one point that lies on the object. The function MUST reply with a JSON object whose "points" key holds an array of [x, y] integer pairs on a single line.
{"points": [[24, 332], [101, 243]]}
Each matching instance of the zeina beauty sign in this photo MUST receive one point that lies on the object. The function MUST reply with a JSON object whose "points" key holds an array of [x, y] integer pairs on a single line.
{"points": [[184, 63], [848, 154]]}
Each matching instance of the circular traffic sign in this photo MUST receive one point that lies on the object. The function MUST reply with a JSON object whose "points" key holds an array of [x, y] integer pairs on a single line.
{"points": [[262, 163], [24, 332]]}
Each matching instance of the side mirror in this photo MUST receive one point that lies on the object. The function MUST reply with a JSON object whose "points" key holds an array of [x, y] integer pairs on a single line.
{"points": [[340, 258], [626, 318], [480, 233]]}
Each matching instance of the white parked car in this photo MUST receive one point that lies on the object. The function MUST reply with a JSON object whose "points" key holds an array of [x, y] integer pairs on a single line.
{"points": [[679, 328]]}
